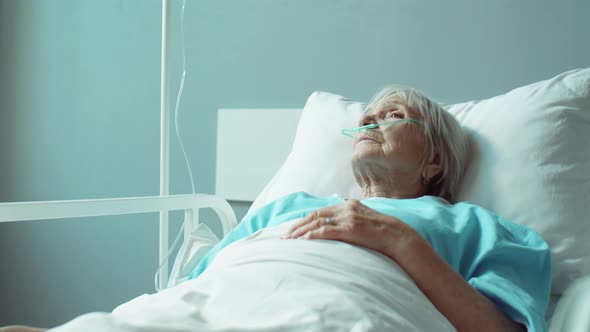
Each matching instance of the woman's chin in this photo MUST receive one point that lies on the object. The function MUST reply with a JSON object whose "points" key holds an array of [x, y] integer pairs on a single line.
{"points": [[364, 150]]}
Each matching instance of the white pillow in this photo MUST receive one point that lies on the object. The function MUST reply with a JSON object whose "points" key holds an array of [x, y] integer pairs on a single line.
{"points": [[319, 162], [531, 164], [530, 161]]}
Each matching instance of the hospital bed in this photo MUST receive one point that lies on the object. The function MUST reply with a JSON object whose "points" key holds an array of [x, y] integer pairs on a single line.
{"points": [[566, 100]]}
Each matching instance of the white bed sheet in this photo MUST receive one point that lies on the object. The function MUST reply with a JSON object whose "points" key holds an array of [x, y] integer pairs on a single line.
{"points": [[264, 283]]}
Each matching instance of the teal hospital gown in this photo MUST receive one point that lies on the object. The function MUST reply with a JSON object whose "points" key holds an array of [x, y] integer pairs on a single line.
{"points": [[508, 263]]}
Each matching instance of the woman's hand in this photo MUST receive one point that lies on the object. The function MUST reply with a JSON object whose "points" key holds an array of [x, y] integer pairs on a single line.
{"points": [[355, 223]]}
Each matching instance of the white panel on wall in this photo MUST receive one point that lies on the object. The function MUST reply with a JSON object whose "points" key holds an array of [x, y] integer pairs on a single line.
{"points": [[252, 144]]}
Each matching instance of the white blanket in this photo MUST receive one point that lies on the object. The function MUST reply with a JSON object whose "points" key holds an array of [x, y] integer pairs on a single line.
{"points": [[264, 283]]}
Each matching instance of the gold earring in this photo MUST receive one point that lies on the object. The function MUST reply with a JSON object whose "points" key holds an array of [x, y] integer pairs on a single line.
{"points": [[425, 180]]}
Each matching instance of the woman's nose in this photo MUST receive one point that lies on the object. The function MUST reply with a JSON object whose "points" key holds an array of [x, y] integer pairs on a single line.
{"points": [[367, 120]]}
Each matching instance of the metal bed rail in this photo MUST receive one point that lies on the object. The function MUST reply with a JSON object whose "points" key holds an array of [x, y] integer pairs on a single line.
{"points": [[47, 210]]}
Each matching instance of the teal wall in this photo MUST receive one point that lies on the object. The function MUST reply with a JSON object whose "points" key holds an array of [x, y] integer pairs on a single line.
{"points": [[79, 106]]}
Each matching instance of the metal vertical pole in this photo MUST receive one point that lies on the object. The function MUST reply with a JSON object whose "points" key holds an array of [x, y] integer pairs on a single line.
{"points": [[164, 140]]}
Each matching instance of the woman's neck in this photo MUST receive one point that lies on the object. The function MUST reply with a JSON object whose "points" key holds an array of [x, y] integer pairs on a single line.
{"points": [[390, 186], [369, 191]]}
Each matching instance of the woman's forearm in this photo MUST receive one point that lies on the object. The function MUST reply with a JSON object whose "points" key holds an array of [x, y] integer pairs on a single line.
{"points": [[461, 304]]}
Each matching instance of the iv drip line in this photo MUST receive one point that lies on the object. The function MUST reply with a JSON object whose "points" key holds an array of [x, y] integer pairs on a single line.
{"points": [[179, 96], [176, 128]]}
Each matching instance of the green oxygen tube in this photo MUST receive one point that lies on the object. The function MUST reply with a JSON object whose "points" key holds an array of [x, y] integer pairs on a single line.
{"points": [[353, 131]]}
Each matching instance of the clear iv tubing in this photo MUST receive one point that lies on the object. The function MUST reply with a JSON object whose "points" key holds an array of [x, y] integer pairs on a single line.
{"points": [[188, 166]]}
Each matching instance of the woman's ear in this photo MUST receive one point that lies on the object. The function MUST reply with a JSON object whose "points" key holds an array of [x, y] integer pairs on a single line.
{"points": [[433, 168]]}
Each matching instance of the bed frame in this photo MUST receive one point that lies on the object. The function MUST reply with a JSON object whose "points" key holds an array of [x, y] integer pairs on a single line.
{"points": [[48, 210]]}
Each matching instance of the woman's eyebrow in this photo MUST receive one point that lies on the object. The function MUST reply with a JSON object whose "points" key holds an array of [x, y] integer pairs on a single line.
{"points": [[403, 107], [394, 104]]}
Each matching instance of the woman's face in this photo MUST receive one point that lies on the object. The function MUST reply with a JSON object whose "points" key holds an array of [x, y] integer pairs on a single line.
{"points": [[399, 145]]}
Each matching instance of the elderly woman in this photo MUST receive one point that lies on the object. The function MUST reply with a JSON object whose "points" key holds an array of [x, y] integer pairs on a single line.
{"points": [[402, 258], [478, 270]]}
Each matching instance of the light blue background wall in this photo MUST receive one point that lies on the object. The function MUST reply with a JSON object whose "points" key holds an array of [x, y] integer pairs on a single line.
{"points": [[79, 106]]}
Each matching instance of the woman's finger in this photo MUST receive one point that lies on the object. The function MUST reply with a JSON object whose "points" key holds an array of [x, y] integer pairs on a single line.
{"points": [[323, 212], [316, 223], [325, 233], [304, 221], [314, 220]]}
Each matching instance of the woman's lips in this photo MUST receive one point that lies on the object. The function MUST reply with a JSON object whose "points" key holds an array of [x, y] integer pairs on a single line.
{"points": [[365, 138]]}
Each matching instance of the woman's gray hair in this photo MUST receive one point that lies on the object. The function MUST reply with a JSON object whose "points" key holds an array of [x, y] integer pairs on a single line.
{"points": [[443, 134]]}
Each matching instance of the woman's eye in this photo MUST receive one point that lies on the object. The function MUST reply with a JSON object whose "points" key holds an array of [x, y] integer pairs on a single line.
{"points": [[394, 115]]}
